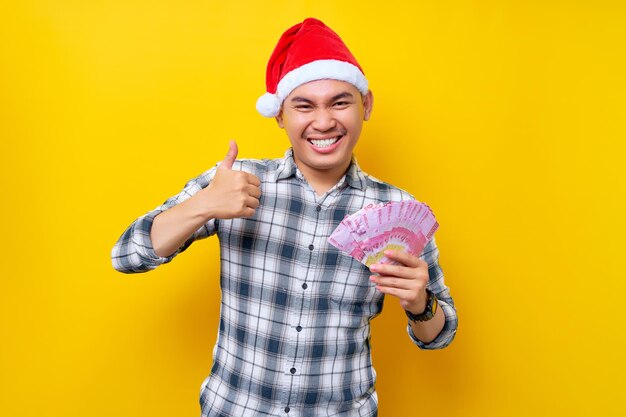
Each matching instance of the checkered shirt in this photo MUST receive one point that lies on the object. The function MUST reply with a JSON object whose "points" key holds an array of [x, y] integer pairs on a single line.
{"points": [[294, 333]]}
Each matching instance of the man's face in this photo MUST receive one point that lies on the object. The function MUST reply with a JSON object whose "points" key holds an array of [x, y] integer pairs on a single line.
{"points": [[323, 120]]}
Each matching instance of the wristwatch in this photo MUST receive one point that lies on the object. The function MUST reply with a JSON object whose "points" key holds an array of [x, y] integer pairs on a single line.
{"points": [[429, 311]]}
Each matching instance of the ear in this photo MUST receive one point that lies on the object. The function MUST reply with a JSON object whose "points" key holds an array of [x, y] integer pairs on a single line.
{"points": [[368, 105], [279, 120]]}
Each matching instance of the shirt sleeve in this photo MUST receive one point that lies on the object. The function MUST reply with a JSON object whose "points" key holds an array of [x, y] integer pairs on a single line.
{"points": [[437, 286], [134, 251]]}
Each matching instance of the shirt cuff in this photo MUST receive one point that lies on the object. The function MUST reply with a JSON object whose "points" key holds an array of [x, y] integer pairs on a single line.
{"points": [[142, 242], [445, 336]]}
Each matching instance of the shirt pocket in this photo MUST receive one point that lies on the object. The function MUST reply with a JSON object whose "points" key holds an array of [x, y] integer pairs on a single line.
{"points": [[352, 292]]}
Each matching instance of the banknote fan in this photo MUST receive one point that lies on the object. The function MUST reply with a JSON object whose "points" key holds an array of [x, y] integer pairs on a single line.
{"points": [[401, 225]]}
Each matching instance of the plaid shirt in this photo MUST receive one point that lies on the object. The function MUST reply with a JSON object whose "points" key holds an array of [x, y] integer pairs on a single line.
{"points": [[294, 334]]}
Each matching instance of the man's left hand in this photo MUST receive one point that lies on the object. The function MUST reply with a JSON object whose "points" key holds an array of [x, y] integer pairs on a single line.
{"points": [[406, 281]]}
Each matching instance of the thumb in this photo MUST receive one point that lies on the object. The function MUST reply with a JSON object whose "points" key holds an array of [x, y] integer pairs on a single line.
{"points": [[228, 161]]}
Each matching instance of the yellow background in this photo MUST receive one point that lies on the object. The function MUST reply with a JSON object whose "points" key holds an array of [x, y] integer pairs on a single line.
{"points": [[507, 117]]}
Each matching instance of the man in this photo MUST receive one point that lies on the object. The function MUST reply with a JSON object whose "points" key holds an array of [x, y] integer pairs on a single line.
{"points": [[294, 325]]}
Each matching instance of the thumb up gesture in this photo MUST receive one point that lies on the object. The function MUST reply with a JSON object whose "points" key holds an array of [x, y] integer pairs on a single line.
{"points": [[233, 193]]}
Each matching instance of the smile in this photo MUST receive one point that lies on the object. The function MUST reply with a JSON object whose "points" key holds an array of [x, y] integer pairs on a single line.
{"points": [[324, 143]]}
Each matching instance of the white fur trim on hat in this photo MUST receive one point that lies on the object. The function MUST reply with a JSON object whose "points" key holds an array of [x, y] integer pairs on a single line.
{"points": [[269, 104]]}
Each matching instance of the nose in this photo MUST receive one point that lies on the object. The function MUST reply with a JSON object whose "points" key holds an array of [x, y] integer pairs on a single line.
{"points": [[323, 120]]}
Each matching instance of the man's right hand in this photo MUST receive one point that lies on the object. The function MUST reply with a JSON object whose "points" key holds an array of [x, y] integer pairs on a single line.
{"points": [[232, 194]]}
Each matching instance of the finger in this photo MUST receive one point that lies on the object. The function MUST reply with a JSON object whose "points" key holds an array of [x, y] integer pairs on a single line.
{"points": [[393, 282], [248, 212], [252, 202], [396, 292], [404, 258], [253, 179], [399, 271], [253, 191], [228, 161]]}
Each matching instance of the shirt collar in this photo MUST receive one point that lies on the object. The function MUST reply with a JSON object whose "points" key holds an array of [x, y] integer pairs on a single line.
{"points": [[354, 176]]}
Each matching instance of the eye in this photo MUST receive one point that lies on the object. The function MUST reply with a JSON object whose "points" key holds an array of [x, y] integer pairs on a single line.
{"points": [[341, 104], [303, 107]]}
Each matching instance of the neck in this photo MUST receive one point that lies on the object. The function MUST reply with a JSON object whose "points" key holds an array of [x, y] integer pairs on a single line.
{"points": [[322, 180]]}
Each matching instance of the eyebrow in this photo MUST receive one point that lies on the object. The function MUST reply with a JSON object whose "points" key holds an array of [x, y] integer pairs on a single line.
{"points": [[339, 96]]}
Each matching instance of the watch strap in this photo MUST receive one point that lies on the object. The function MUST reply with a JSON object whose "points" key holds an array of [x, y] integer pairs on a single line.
{"points": [[429, 311]]}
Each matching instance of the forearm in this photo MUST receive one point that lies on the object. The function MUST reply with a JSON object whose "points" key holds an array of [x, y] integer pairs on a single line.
{"points": [[427, 331], [173, 227], [134, 251]]}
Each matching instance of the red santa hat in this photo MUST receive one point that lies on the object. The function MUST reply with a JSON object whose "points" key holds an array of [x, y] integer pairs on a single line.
{"points": [[306, 52]]}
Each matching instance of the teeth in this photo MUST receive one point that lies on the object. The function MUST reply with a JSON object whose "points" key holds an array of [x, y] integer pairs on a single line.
{"points": [[324, 143]]}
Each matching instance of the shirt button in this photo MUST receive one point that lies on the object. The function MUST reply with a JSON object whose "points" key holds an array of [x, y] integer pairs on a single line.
{"points": [[311, 247], [304, 286], [299, 329], [318, 208], [287, 409], [292, 370]]}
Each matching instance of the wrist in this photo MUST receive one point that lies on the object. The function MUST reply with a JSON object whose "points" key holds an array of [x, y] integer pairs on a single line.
{"points": [[202, 205], [420, 306], [428, 312]]}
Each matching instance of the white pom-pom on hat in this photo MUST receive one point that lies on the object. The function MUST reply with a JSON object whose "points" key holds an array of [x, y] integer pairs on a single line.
{"points": [[268, 105]]}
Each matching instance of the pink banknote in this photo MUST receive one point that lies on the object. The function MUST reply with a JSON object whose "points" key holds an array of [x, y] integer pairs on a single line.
{"points": [[366, 234]]}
